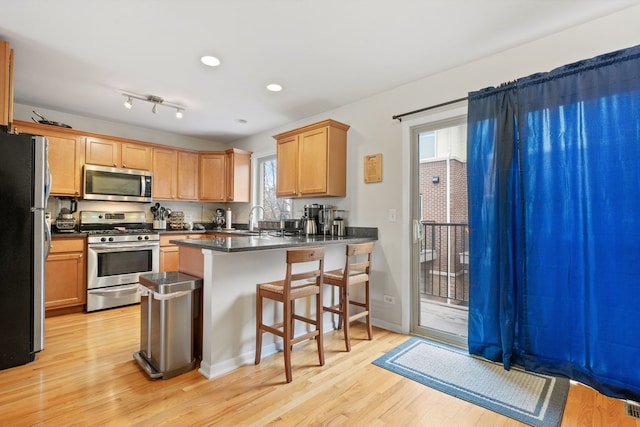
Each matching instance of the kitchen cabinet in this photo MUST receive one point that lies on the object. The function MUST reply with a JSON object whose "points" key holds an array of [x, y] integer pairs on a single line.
{"points": [[238, 175], [225, 176], [175, 174], [212, 175], [165, 170], [66, 156], [117, 154], [6, 85], [169, 253], [187, 175], [312, 160], [65, 277]]}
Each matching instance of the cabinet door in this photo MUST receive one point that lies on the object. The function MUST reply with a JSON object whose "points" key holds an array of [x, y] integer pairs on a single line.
{"points": [[136, 156], [6, 100], [212, 185], [165, 168], [287, 161], [238, 175], [65, 163], [187, 175], [65, 282], [102, 152], [66, 153], [169, 258], [312, 151]]}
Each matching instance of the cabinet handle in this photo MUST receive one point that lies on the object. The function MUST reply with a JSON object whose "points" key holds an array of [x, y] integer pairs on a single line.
{"points": [[124, 166], [115, 165]]}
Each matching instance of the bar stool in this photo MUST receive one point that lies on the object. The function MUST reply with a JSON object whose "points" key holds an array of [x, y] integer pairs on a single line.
{"points": [[356, 271], [294, 286]]}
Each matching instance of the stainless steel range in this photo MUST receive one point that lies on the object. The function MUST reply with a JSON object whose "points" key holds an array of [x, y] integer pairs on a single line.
{"points": [[119, 249]]}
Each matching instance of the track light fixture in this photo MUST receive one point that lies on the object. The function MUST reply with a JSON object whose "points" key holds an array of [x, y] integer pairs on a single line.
{"points": [[155, 100]]}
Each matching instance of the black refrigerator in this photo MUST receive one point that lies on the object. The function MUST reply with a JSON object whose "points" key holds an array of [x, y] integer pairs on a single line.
{"points": [[24, 246]]}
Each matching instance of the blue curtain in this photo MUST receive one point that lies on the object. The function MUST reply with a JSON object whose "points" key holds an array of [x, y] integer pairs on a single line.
{"points": [[554, 218]]}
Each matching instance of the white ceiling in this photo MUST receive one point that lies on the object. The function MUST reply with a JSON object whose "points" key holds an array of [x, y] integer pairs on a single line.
{"points": [[77, 56]]}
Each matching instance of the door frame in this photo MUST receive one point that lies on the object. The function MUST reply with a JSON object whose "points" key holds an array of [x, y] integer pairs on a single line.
{"points": [[434, 118]]}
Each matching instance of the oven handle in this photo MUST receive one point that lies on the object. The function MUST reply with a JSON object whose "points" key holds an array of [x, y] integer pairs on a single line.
{"points": [[119, 247], [116, 292]]}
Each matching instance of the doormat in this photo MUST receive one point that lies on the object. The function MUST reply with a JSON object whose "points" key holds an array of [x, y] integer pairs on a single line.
{"points": [[531, 398]]}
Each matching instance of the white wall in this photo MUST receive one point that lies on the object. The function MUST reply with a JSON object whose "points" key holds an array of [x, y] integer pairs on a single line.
{"points": [[373, 131]]}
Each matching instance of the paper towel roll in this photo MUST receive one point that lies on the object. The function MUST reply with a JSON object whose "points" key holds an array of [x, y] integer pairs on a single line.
{"points": [[228, 219]]}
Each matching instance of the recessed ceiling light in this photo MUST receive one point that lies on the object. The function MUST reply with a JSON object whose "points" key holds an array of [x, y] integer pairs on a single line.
{"points": [[274, 87], [242, 121], [211, 61]]}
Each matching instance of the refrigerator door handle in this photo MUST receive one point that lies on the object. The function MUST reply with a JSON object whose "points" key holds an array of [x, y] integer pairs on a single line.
{"points": [[47, 238]]}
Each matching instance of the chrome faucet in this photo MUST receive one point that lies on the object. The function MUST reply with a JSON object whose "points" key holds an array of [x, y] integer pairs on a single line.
{"points": [[251, 216]]}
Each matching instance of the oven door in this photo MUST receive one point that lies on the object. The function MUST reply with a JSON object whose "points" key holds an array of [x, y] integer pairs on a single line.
{"points": [[120, 263], [113, 270]]}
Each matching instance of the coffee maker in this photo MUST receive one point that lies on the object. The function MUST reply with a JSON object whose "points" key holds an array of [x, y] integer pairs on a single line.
{"points": [[310, 218]]}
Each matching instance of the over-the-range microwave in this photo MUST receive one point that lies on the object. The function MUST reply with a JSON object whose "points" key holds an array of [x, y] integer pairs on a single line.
{"points": [[114, 184]]}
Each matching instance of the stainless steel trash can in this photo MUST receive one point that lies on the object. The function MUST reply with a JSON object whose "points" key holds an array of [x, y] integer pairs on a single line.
{"points": [[168, 313]]}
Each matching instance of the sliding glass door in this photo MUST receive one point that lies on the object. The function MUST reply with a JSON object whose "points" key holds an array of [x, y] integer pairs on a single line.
{"points": [[440, 291]]}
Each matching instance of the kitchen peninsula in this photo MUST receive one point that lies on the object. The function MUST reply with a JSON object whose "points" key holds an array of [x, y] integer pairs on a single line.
{"points": [[231, 267]]}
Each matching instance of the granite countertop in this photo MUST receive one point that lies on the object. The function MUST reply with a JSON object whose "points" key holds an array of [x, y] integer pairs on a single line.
{"points": [[243, 243]]}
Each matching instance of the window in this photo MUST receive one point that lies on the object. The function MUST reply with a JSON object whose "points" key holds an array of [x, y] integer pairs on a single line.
{"points": [[427, 145], [274, 208]]}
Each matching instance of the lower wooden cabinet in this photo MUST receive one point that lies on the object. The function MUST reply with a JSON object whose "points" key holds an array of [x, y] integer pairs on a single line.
{"points": [[65, 276], [169, 253]]}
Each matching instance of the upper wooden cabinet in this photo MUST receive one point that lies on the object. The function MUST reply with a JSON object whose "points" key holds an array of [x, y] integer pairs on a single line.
{"points": [[178, 174], [238, 175], [212, 173], [312, 160], [175, 174], [187, 175], [117, 154], [66, 156], [6, 84], [165, 173], [225, 176]]}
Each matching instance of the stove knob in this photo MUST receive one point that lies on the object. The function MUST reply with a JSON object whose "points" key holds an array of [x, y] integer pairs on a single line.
{"points": [[146, 237], [111, 239], [103, 239], [139, 237]]}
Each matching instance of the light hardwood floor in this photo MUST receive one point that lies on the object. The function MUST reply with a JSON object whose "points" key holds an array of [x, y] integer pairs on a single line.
{"points": [[87, 376]]}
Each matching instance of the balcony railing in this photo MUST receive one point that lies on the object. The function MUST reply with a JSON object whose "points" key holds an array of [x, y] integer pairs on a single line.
{"points": [[444, 260]]}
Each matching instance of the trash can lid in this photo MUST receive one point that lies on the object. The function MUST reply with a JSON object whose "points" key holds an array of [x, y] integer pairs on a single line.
{"points": [[169, 282]]}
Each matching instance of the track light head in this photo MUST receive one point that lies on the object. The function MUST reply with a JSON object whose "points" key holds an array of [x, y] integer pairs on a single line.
{"points": [[154, 110], [178, 113], [128, 103]]}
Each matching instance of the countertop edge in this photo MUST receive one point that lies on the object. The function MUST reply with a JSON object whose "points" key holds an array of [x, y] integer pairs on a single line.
{"points": [[254, 243]]}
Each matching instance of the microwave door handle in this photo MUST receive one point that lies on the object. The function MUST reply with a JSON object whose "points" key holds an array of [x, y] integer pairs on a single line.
{"points": [[143, 186]]}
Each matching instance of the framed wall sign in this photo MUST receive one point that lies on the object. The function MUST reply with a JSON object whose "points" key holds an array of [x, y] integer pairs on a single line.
{"points": [[373, 168]]}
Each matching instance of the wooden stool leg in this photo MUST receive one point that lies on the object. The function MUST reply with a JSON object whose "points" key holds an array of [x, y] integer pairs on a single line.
{"points": [[319, 338], [287, 334], [345, 316], [368, 309], [258, 328]]}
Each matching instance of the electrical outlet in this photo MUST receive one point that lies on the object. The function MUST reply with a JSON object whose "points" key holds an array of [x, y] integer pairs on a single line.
{"points": [[389, 299], [392, 215], [188, 217]]}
